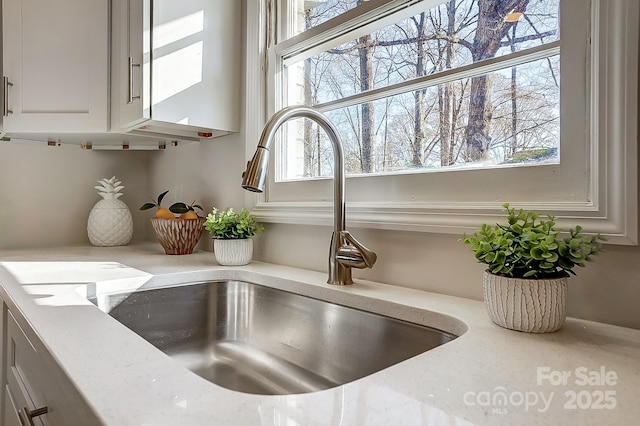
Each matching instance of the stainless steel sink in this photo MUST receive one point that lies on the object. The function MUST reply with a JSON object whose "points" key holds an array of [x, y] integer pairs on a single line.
{"points": [[260, 340]]}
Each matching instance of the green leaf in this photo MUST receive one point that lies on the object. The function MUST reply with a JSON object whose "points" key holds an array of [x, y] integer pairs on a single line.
{"points": [[496, 269], [565, 263], [574, 244], [179, 208], [147, 206], [563, 250], [536, 253], [161, 197]]}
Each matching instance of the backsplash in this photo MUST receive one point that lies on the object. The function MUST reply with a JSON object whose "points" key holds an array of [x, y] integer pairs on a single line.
{"points": [[46, 193]]}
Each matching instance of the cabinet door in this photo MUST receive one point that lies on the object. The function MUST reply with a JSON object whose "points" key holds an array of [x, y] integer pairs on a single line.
{"points": [[176, 63], [34, 381], [55, 57], [195, 48], [10, 417], [25, 375], [130, 65]]}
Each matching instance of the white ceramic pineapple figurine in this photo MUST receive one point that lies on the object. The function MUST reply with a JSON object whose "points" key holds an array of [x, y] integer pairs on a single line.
{"points": [[110, 222]]}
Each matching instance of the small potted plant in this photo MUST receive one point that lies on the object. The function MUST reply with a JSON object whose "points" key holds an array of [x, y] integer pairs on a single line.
{"points": [[178, 228], [232, 234], [525, 285]]}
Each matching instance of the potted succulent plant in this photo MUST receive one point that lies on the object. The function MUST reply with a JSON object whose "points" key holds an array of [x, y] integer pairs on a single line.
{"points": [[232, 234], [525, 285]]}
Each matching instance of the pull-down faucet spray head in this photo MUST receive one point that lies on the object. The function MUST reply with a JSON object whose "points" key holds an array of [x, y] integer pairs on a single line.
{"points": [[254, 177]]}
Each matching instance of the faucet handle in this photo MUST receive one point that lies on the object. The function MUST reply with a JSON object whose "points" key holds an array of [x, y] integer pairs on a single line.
{"points": [[354, 254]]}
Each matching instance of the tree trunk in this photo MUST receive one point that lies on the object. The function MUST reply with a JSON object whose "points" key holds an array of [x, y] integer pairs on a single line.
{"points": [[418, 98], [418, 133], [514, 101], [490, 30], [308, 139], [365, 54], [480, 112], [445, 95]]}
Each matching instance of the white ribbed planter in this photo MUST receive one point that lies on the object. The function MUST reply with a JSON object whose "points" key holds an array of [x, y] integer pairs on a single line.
{"points": [[530, 305], [233, 252]]}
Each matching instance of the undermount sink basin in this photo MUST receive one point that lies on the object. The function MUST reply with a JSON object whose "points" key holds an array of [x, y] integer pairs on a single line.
{"points": [[260, 340]]}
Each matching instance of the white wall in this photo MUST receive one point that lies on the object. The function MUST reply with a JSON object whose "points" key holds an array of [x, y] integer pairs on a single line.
{"points": [[46, 193]]}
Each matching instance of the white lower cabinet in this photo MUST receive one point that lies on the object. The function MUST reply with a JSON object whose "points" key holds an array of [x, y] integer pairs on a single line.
{"points": [[26, 379], [11, 416], [35, 391]]}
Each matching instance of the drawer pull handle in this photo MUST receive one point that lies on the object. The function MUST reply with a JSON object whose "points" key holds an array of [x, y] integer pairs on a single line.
{"points": [[26, 415], [5, 100]]}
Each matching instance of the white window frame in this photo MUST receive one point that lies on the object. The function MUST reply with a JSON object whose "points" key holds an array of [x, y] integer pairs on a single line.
{"points": [[609, 205]]}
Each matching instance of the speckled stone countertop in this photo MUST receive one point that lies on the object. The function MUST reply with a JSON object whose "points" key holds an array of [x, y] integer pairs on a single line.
{"points": [[587, 373]]}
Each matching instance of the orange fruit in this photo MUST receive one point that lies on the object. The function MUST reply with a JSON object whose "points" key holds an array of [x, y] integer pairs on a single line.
{"points": [[163, 213], [189, 215]]}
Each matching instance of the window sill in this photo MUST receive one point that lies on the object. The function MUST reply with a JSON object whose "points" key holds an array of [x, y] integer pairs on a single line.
{"points": [[619, 227]]}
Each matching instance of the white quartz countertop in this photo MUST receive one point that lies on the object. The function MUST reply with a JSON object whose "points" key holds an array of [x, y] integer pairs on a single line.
{"points": [[587, 373]]}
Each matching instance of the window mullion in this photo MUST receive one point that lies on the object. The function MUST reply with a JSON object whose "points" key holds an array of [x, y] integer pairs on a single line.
{"points": [[446, 76]]}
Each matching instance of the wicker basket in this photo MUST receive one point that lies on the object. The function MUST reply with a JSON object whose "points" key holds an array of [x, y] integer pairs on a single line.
{"points": [[178, 236]]}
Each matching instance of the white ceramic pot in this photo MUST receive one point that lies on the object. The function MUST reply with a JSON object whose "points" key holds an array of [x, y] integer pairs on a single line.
{"points": [[530, 305], [110, 222], [233, 252]]}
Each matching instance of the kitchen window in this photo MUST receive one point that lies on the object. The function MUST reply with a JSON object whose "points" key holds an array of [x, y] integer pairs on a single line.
{"points": [[459, 84], [447, 109]]}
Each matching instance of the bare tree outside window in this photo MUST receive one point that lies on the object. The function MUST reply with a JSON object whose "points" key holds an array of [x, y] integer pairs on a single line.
{"points": [[506, 116]]}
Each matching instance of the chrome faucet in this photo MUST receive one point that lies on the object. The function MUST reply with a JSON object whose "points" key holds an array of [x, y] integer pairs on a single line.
{"points": [[345, 252]]}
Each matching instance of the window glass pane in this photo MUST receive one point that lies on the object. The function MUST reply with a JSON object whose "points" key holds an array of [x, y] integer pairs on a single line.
{"points": [[508, 117], [310, 13], [453, 34]]}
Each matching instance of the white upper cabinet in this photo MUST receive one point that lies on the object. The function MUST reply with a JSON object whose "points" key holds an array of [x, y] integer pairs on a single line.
{"points": [[174, 72], [55, 66], [176, 67]]}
